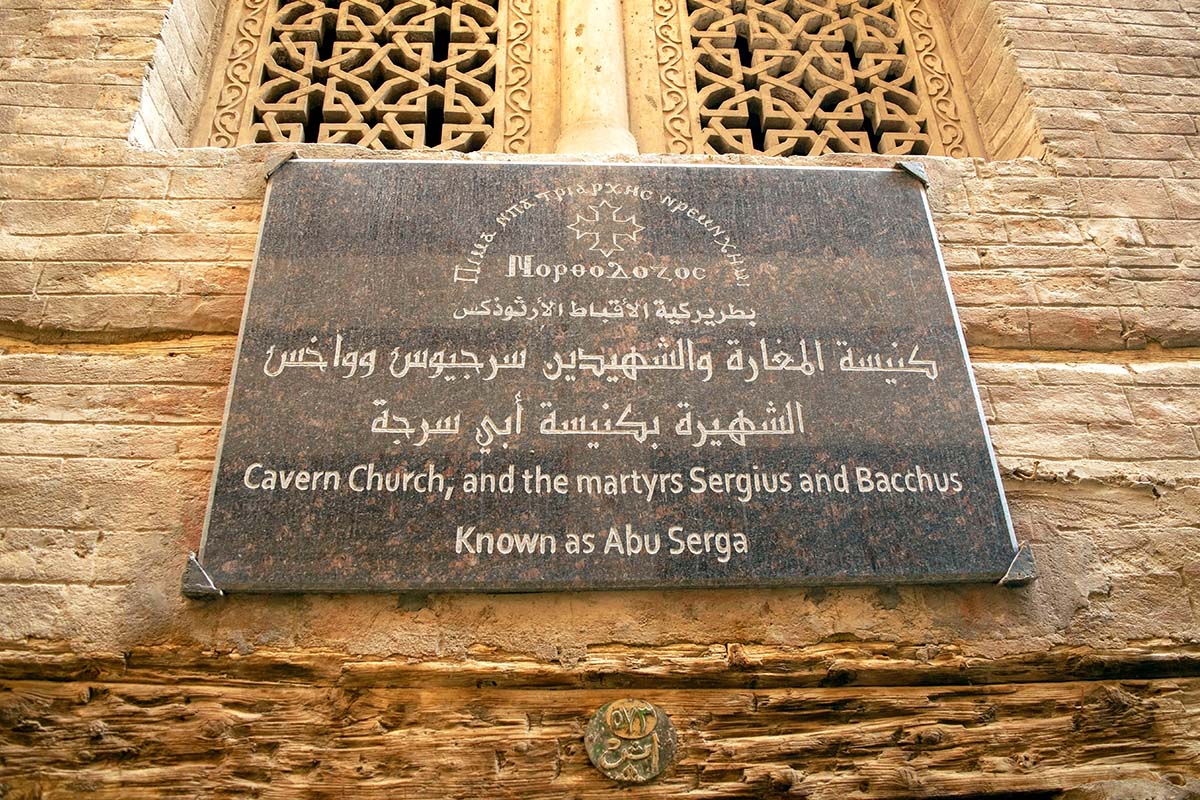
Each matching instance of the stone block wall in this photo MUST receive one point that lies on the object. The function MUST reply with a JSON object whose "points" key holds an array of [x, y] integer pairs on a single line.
{"points": [[174, 87], [979, 33], [123, 263]]}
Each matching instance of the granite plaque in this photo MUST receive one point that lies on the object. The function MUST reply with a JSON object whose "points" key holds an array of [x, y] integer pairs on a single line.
{"points": [[527, 376]]}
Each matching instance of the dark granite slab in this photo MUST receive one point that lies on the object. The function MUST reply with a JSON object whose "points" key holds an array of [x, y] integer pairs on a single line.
{"points": [[508, 377]]}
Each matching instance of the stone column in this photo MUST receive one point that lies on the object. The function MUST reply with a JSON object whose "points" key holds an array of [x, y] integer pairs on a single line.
{"points": [[593, 89]]}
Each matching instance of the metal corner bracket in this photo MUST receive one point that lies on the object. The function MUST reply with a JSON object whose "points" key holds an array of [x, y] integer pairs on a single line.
{"points": [[275, 163], [1022, 570], [197, 583], [916, 169]]}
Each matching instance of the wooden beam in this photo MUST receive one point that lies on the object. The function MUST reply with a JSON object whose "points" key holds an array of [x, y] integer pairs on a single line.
{"points": [[842, 663], [211, 736]]}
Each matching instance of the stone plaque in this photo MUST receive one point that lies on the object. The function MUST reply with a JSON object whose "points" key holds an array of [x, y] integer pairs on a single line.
{"points": [[510, 377]]}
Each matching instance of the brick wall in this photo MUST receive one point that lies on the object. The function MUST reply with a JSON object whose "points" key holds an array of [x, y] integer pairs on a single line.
{"points": [[122, 271]]}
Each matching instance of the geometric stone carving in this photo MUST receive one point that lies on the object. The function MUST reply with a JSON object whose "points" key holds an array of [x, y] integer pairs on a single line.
{"points": [[232, 84], [676, 94], [807, 77], [775, 77], [385, 75], [954, 129], [518, 77]]}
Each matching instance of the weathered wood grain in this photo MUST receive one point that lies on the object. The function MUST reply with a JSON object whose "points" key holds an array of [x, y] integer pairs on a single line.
{"points": [[213, 739], [169, 722], [831, 664]]}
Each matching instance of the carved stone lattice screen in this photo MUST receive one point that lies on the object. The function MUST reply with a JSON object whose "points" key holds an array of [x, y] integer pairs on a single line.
{"points": [[386, 75], [807, 77], [780, 78]]}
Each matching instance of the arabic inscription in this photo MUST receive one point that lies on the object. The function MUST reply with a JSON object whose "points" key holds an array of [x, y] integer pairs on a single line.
{"points": [[631, 740]]}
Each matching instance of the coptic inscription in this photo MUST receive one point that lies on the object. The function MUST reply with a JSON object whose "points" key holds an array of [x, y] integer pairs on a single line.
{"points": [[534, 376]]}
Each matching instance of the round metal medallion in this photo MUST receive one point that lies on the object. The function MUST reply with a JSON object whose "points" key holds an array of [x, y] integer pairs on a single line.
{"points": [[630, 740]]}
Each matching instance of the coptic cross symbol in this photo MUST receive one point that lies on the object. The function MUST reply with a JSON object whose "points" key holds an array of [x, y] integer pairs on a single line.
{"points": [[607, 230]]}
